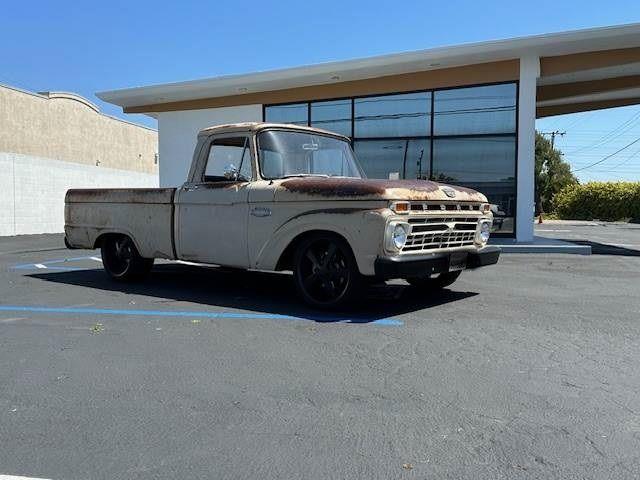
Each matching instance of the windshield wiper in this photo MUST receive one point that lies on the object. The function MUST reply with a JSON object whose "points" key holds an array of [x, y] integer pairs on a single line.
{"points": [[307, 175]]}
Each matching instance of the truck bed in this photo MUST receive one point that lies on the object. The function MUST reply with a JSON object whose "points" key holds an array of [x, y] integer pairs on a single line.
{"points": [[144, 214]]}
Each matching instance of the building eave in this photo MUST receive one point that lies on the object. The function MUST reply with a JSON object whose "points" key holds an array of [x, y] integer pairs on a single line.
{"points": [[555, 44]]}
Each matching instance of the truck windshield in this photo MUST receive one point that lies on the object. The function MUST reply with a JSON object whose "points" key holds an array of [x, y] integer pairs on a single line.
{"points": [[299, 154]]}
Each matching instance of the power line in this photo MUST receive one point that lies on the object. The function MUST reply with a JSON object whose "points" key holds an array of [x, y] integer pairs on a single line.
{"points": [[611, 135], [626, 159], [578, 120], [628, 169], [609, 156]]}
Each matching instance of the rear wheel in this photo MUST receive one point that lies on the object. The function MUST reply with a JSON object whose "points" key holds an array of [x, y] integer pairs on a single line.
{"points": [[325, 271], [121, 259], [437, 282]]}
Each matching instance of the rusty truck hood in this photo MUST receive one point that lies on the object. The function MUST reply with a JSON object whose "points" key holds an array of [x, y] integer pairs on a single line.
{"points": [[320, 188]]}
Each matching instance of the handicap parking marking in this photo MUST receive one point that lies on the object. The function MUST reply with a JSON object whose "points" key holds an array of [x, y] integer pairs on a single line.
{"points": [[387, 321], [56, 264]]}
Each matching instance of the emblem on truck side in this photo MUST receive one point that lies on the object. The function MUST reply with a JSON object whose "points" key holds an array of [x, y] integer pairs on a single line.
{"points": [[261, 212], [449, 192]]}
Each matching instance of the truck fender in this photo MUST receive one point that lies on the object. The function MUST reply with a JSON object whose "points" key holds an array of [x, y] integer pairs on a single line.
{"points": [[354, 231]]}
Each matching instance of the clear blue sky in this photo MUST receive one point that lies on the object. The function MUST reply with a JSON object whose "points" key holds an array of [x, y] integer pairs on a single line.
{"points": [[85, 47]]}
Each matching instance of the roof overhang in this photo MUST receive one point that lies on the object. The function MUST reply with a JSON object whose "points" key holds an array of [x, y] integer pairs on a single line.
{"points": [[593, 61]]}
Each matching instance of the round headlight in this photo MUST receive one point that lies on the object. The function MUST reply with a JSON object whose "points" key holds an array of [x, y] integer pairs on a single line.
{"points": [[399, 236], [485, 231]]}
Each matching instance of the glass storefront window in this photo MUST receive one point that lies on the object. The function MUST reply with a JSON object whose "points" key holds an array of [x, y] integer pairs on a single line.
{"points": [[406, 115], [334, 115], [297, 114], [476, 110], [395, 159], [473, 138], [484, 163]]}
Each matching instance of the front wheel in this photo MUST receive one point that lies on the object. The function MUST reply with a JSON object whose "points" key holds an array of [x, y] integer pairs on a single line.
{"points": [[325, 271], [121, 260], [440, 281]]}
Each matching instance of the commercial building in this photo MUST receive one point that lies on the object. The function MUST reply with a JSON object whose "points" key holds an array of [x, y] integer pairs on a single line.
{"points": [[464, 114], [50, 142]]}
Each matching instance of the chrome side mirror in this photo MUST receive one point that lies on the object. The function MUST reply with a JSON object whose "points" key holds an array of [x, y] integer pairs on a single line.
{"points": [[230, 172]]}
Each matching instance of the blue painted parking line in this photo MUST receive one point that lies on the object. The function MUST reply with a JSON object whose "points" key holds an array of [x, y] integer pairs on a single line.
{"points": [[389, 321]]}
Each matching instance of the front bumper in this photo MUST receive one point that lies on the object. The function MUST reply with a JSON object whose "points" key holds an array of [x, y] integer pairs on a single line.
{"points": [[407, 266]]}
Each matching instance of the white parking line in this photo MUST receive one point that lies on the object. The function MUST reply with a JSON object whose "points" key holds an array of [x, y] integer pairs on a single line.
{"points": [[9, 320], [13, 477], [184, 262]]}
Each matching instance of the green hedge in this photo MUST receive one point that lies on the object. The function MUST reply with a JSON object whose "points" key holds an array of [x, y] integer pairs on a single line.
{"points": [[609, 201]]}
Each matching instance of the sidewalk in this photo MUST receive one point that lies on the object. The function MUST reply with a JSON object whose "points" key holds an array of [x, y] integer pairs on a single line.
{"points": [[540, 245]]}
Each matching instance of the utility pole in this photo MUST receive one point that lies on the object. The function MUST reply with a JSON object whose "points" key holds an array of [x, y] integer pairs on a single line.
{"points": [[537, 195], [553, 136]]}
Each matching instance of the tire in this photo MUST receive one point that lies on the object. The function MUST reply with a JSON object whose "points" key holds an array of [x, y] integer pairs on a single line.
{"points": [[325, 271], [121, 260], [438, 282]]}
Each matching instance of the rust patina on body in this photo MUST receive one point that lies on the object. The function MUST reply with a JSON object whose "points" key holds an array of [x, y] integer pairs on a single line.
{"points": [[120, 195], [375, 189]]}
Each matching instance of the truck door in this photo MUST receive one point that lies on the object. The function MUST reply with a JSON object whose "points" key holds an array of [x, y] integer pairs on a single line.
{"points": [[212, 209]]}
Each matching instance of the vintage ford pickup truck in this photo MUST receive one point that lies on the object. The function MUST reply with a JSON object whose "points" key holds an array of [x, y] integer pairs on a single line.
{"points": [[283, 197]]}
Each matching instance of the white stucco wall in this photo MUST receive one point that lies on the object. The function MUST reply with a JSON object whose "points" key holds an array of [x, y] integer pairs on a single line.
{"points": [[177, 136], [529, 73], [32, 190]]}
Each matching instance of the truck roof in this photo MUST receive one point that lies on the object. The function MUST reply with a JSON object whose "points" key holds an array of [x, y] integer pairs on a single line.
{"points": [[256, 126]]}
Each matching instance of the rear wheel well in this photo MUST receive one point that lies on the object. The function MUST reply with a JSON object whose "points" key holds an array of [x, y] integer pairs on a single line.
{"points": [[103, 236], [285, 262]]}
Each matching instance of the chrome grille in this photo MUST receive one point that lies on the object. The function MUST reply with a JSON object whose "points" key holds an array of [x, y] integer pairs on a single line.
{"points": [[444, 206], [431, 233]]}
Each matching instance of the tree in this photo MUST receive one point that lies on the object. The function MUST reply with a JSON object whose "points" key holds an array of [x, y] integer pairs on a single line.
{"points": [[552, 174]]}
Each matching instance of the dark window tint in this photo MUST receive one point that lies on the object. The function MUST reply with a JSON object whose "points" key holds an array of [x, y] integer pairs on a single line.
{"points": [[401, 158], [334, 116], [488, 109], [295, 113], [406, 115], [486, 164]]}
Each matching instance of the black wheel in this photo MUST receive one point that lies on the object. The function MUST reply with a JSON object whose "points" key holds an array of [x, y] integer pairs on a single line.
{"points": [[439, 281], [121, 260], [325, 271]]}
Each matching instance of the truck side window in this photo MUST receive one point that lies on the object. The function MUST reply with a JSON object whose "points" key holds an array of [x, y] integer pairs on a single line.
{"points": [[229, 160]]}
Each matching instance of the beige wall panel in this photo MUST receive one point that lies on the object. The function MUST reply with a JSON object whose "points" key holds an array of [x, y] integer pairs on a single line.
{"points": [[67, 127]]}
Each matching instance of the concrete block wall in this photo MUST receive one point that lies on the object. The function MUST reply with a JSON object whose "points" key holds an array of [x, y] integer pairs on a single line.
{"points": [[32, 190]]}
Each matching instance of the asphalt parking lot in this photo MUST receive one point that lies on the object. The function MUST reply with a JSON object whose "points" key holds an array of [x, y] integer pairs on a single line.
{"points": [[528, 369]]}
